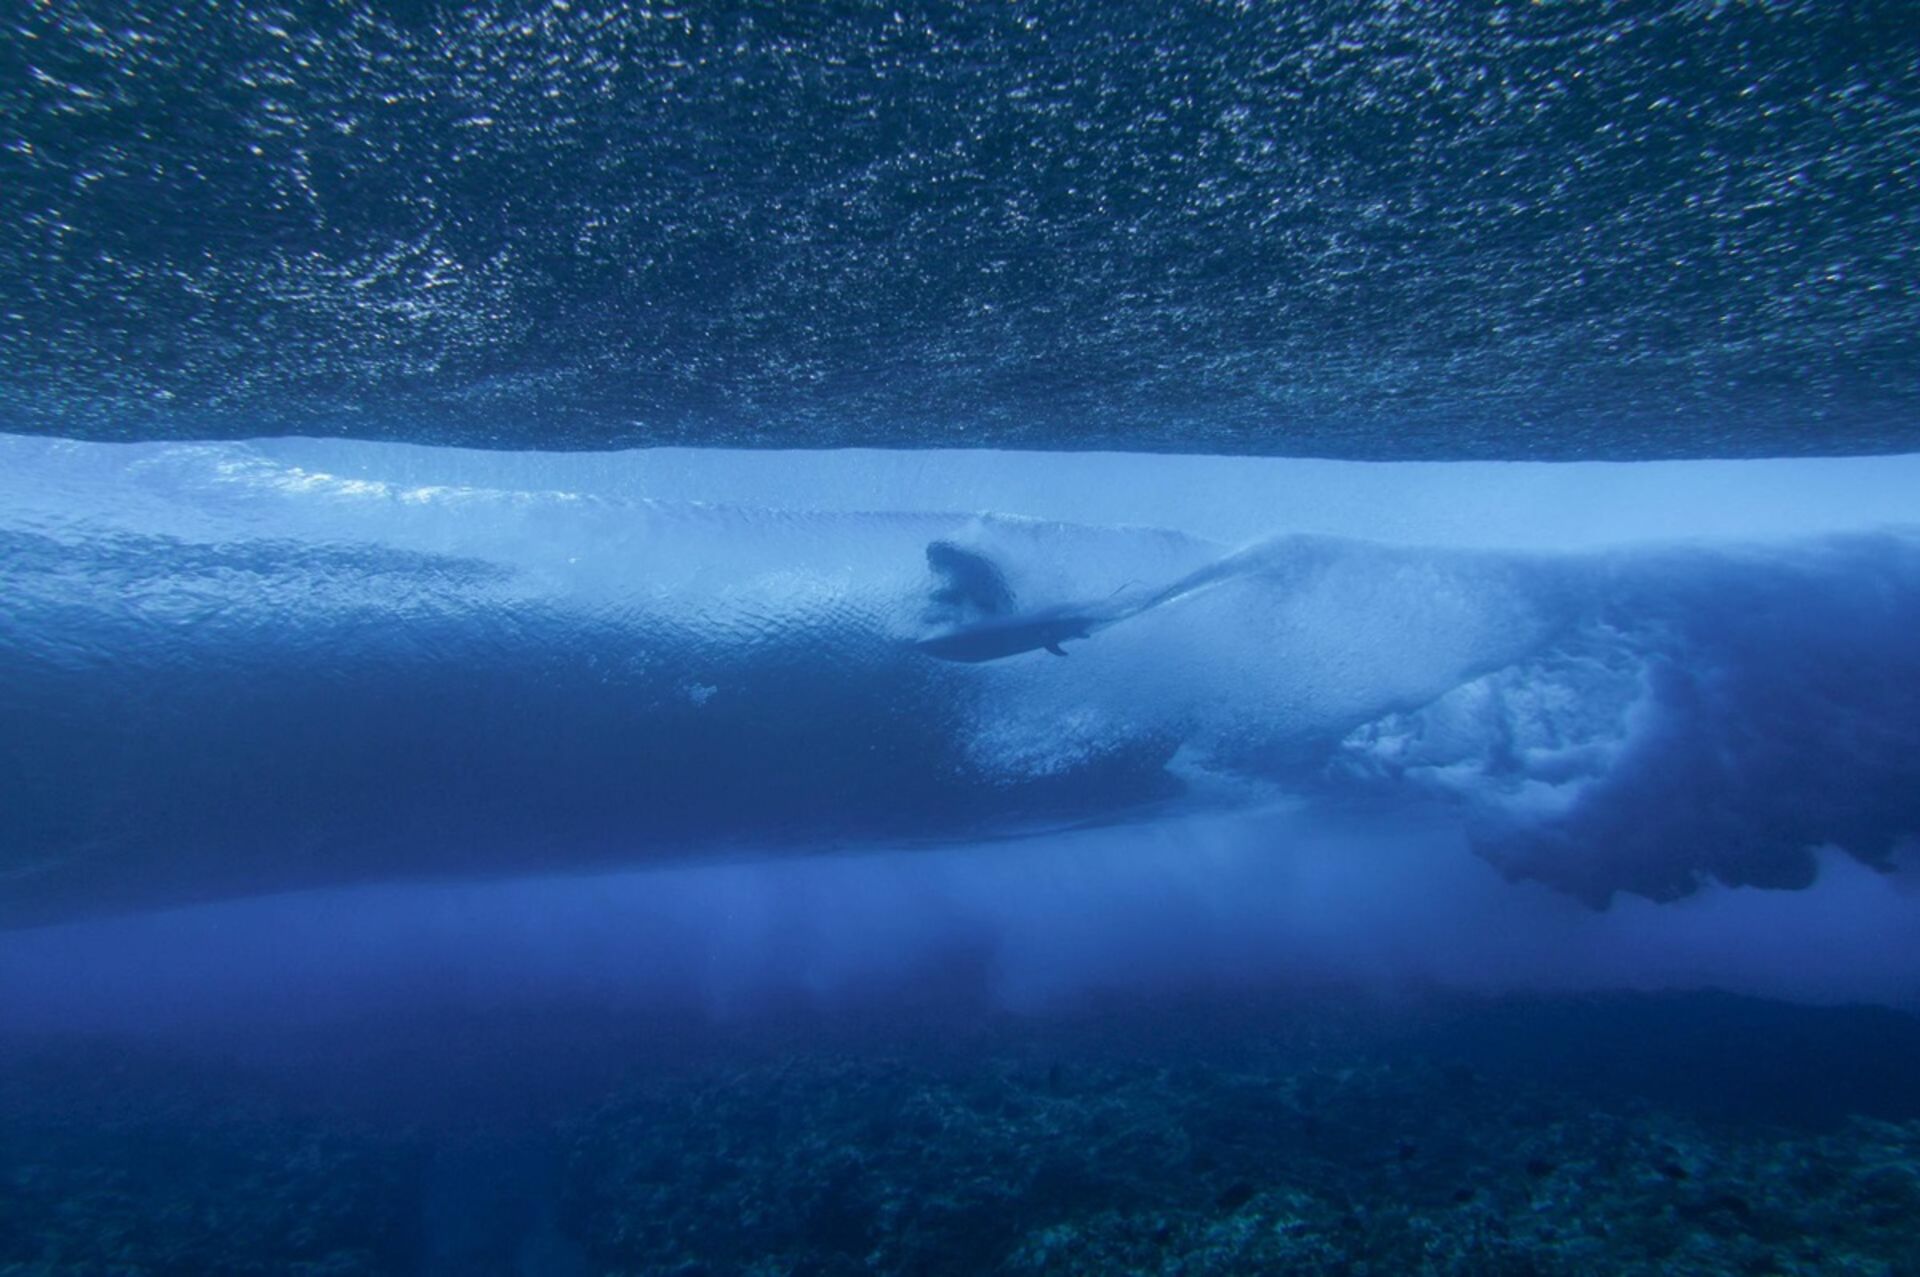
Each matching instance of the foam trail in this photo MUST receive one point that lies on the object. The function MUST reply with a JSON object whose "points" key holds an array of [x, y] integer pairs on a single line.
{"points": [[1281, 561]]}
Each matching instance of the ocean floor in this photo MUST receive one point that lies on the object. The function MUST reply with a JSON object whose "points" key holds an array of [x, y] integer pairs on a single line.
{"points": [[1630, 1134]]}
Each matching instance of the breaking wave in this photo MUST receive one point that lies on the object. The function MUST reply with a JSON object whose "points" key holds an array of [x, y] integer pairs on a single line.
{"points": [[272, 677]]}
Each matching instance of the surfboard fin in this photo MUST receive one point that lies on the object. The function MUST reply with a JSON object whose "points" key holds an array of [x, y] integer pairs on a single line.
{"points": [[1056, 649]]}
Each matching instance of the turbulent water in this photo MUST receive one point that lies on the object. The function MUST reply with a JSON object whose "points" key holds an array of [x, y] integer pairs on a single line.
{"points": [[354, 678], [946, 638]]}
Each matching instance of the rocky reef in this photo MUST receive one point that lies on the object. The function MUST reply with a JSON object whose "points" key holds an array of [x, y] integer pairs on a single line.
{"points": [[843, 1167], [124, 1165], [1537, 1138]]}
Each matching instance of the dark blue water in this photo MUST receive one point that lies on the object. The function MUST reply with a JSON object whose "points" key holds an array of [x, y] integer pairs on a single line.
{"points": [[1357, 711], [1441, 230]]}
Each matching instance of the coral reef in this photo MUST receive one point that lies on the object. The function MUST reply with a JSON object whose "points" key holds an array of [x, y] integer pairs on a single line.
{"points": [[1525, 1138], [118, 1167], [850, 1166]]}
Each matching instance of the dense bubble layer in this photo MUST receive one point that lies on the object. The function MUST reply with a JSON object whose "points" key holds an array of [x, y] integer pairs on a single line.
{"points": [[225, 669], [1416, 230]]}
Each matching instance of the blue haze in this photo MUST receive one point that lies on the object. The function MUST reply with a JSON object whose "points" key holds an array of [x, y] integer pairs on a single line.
{"points": [[1318, 602]]}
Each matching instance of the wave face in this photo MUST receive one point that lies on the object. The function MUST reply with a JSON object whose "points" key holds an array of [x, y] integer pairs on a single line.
{"points": [[222, 673], [1435, 230]]}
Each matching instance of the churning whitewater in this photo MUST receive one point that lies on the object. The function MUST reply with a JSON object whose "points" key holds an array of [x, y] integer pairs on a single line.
{"points": [[463, 681]]}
